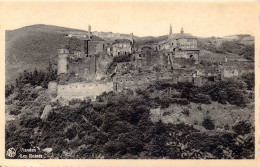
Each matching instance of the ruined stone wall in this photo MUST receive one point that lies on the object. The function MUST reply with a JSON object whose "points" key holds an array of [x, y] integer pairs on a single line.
{"points": [[185, 43], [143, 80], [95, 47], [82, 90], [84, 68], [148, 58], [120, 49]]}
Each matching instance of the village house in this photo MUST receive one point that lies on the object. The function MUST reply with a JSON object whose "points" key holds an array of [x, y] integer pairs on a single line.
{"points": [[121, 47]]}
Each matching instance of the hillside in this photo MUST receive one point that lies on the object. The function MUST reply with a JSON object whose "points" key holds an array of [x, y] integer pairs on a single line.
{"points": [[166, 120], [33, 47]]}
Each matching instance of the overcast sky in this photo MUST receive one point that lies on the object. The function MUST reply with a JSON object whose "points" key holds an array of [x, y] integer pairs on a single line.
{"points": [[141, 18]]}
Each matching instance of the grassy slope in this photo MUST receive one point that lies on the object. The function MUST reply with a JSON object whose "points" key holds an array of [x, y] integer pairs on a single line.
{"points": [[33, 47]]}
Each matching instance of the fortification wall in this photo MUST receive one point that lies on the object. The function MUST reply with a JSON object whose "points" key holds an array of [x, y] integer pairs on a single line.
{"points": [[95, 47], [143, 80], [82, 90]]}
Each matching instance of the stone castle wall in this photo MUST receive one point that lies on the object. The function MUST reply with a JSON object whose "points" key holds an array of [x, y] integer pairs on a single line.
{"points": [[142, 81], [82, 90]]}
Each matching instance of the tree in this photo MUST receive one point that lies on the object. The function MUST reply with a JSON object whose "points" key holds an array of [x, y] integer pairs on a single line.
{"points": [[208, 123]]}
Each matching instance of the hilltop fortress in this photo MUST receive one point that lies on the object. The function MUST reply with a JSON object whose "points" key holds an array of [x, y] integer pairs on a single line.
{"points": [[87, 66]]}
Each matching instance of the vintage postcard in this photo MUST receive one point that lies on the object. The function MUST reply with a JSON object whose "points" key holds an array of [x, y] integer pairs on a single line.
{"points": [[127, 83]]}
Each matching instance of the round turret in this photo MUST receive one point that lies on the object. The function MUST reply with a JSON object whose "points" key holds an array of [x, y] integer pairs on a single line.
{"points": [[63, 53]]}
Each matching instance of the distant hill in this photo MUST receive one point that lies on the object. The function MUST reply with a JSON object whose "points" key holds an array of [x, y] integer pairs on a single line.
{"points": [[150, 39], [33, 47]]}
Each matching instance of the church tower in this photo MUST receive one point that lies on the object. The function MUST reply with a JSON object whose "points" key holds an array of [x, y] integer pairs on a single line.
{"points": [[182, 32], [132, 38]]}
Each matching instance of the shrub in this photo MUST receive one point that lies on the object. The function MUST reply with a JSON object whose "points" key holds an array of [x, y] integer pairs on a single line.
{"points": [[186, 112], [249, 79], [208, 123], [201, 98], [15, 112], [242, 127], [9, 90]]}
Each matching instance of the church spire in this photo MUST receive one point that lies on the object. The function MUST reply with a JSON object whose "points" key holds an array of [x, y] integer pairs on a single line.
{"points": [[182, 30], [170, 33]]}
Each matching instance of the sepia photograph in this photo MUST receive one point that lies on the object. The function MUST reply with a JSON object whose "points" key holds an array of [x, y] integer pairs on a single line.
{"points": [[130, 80]]}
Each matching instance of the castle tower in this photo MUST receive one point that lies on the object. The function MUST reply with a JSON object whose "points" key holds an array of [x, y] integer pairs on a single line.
{"points": [[170, 33], [182, 32], [63, 53], [132, 41], [89, 32], [132, 37]]}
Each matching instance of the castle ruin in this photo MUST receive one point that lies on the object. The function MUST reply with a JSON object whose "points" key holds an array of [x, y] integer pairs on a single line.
{"points": [[176, 59]]}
